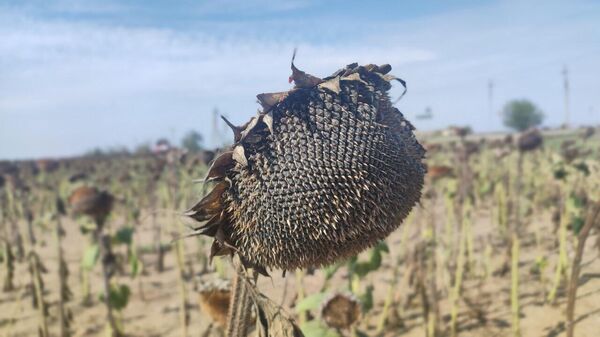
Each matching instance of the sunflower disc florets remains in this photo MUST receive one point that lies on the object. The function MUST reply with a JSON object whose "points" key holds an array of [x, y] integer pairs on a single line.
{"points": [[341, 311], [214, 298], [530, 140], [324, 171], [91, 201]]}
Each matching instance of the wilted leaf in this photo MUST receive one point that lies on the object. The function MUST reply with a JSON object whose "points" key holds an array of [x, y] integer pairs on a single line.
{"points": [[124, 235], [451, 187], [485, 188], [560, 173], [383, 247], [363, 268], [367, 299], [310, 303], [87, 227], [272, 320], [317, 329], [577, 224], [583, 168], [331, 270], [540, 265], [576, 201], [119, 296], [135, 264], [361, 334], [90, 256]]}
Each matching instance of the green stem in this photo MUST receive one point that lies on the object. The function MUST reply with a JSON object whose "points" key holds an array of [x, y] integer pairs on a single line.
{"points": [[39, 293], [514, 297], [300, 289]]}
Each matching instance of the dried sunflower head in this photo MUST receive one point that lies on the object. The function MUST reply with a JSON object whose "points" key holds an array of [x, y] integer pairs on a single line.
{"points": [[14, 182], [340, 311], [214, 300], [47, 165], [437, 172], [323, 172], [530, 140], [468, 149], [91, 201], [588, 132]]}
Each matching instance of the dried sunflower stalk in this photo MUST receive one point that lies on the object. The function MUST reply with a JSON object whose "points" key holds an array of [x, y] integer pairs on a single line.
{"points": [[321, 173]]}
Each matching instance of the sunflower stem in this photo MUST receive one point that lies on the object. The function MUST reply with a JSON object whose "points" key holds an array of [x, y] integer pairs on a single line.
{"points": [[576, 268], [240, 306]]}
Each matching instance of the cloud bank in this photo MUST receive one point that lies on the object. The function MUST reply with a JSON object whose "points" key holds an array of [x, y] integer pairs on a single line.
{"points": [[79, 75]]}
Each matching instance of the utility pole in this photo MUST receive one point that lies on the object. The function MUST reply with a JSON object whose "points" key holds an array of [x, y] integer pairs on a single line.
{"points": [[565, 74], [215, 137], [491, 96]]}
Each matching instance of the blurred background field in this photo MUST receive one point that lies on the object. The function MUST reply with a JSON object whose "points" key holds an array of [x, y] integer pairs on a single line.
{"points": [[119, 102], [151, 190]]}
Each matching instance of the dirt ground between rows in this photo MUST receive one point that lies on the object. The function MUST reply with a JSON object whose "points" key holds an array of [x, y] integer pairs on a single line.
{"points": [[153, 309]]}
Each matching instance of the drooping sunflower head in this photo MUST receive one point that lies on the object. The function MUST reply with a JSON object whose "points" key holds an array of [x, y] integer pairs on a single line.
{"points": [[323, 172]]}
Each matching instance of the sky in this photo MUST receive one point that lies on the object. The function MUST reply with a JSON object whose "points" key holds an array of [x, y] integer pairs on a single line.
{"points": [[76, 75]]}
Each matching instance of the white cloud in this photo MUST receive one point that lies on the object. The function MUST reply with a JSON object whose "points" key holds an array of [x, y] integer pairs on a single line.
{"points": [[69, 85]]}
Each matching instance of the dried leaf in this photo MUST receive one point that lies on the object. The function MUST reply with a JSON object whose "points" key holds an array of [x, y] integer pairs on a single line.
{"points": [[209, 228], [259, 269], [219, 249], [272, 320]]}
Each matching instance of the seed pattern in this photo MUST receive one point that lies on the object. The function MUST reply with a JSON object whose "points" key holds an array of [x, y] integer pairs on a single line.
{"points": [[322, 173]]}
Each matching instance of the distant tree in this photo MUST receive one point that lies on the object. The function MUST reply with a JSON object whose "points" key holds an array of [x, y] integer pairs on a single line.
{"points": [[143, 149], [107, 152], [192, 141], [521, 115], [95, 152]]}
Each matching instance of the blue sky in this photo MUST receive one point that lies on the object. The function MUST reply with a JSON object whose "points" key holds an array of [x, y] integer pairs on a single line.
{"points": [[81, 74]]}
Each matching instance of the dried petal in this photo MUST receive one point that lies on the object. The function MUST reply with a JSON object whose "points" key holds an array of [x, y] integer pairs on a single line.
{"points": [[237, 130], [220, 166], [210, 205], [353, 77], [268, 120], [332, 84], [239, 156], [268, 100], [302, 79]]}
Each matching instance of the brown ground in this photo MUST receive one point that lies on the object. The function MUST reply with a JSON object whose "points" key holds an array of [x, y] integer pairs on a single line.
{"points": [[156, 313]]}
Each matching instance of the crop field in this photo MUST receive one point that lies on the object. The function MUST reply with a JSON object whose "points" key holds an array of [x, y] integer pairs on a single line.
{"points": [[505, 241]]}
